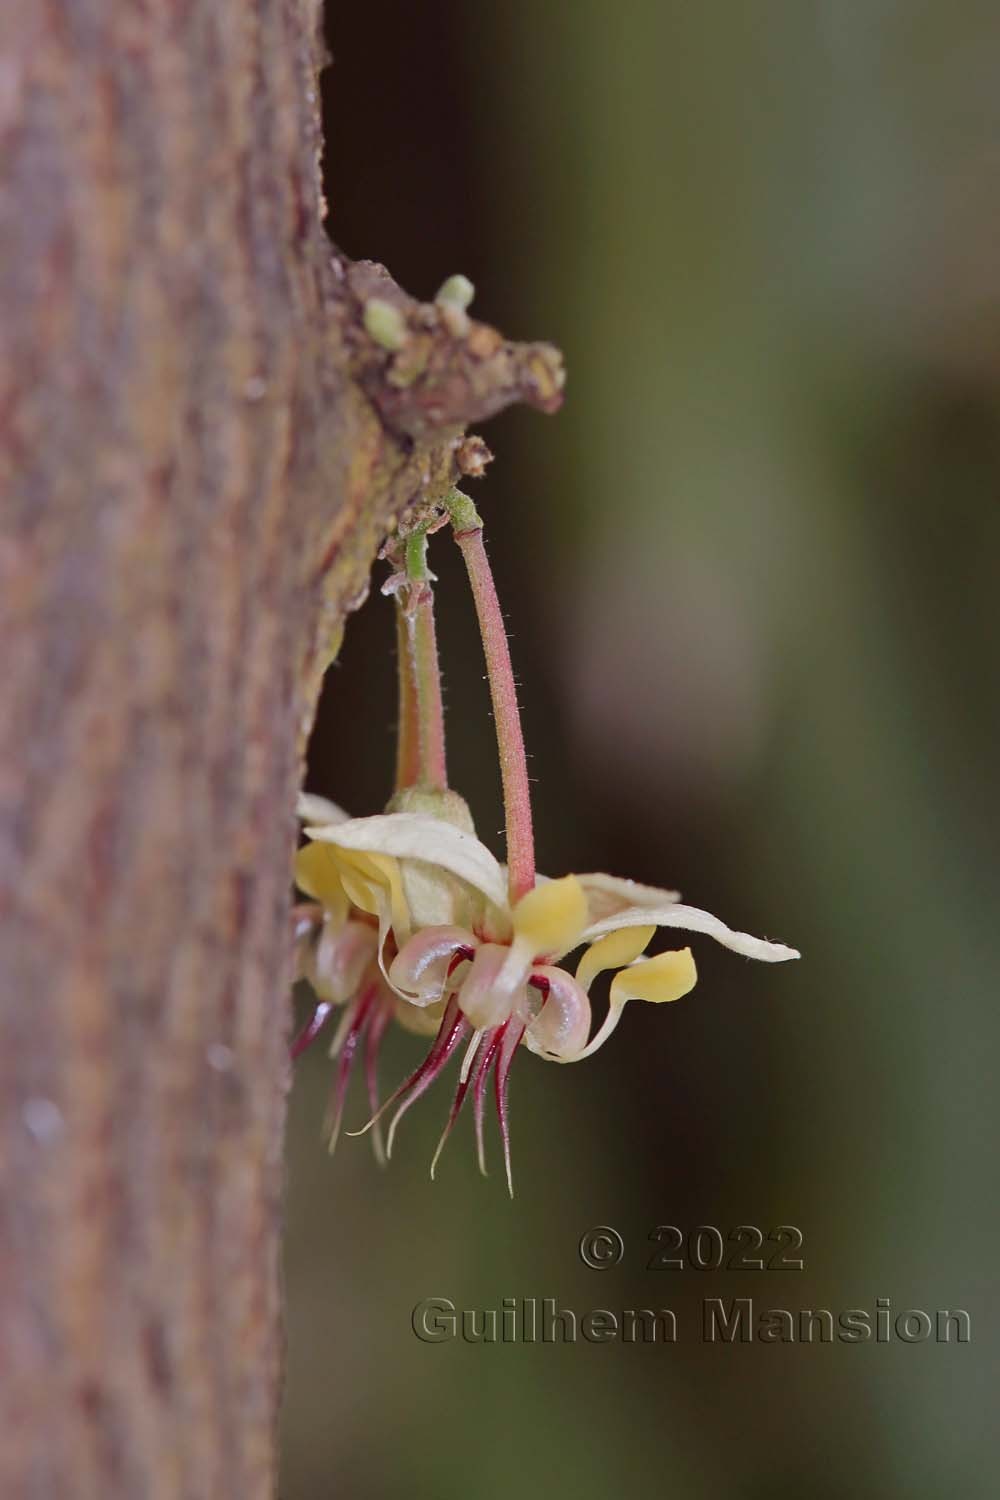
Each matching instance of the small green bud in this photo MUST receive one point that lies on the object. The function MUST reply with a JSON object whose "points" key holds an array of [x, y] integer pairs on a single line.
{"points": [[432, 803], [457, 291], [385, 323]]}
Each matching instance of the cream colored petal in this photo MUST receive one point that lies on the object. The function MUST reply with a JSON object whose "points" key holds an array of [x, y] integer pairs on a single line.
{"points": [[341, 958], [607, 894], [692, 920], [421, 969], [313, 809], [561, 1027], [483, 999], [410, 836], [437, 898], [513, 973]]}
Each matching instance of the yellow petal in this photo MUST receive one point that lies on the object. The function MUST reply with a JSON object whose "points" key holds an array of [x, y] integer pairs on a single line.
{"points": [[612, 951], [373, 885], [668, 976], [550, 918], [363, 889], [317, 875], [389, 870]]}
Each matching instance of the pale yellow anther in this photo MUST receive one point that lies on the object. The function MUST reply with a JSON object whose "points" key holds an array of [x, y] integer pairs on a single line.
{"points": [[550, 918], [668, 976], [612, 951]]}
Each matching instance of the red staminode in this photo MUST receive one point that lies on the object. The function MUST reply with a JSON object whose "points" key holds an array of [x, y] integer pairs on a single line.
{"points": [[311, 1029]]}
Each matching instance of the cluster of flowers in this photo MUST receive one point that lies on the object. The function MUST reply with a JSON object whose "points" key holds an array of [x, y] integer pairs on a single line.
{"points": [[410, 920], [410, 917]]}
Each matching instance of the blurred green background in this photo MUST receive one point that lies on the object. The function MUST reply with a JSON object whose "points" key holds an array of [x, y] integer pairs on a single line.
{"points": [[752, 576]]}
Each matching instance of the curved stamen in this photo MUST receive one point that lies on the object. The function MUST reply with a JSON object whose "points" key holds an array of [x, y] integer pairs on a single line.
{"points": [[441, 1039], [460, 1093], [513, 1030], [456, 1031], [490, 1044], [470, 1053], [381, 1016], [311, 1029], [345, 1063]]}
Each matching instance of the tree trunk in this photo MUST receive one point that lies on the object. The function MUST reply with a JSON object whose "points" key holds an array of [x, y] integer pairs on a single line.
{"points": [[204, 429]]}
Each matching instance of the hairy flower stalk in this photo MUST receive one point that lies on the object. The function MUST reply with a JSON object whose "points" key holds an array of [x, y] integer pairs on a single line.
{"points": [[468, 532], [421, 759], [413, 919], [341, 930], [407, 742]]}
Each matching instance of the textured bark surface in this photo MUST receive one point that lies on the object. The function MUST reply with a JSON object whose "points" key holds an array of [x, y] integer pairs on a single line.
{"points": [[200, 445]]}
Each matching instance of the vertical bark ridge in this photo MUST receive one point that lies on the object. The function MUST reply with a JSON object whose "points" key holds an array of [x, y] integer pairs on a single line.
{"points": [[196, 464]]}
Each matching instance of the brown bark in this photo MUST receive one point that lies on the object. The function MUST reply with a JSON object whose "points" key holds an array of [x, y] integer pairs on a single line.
{"points": [[200, 445]]}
